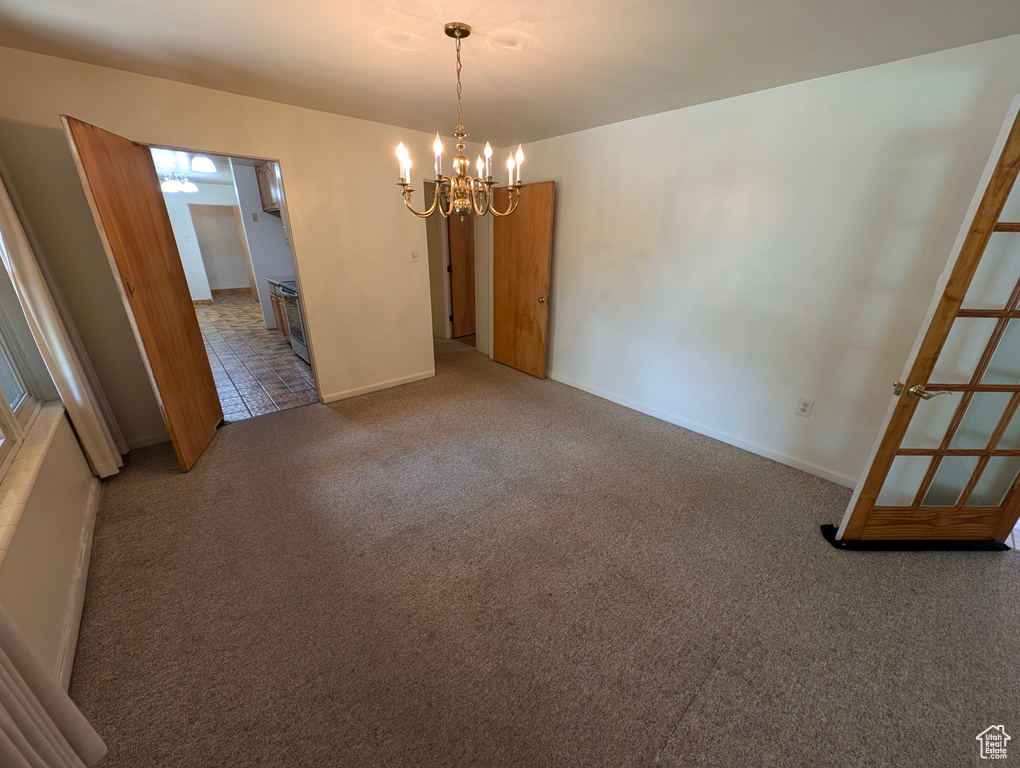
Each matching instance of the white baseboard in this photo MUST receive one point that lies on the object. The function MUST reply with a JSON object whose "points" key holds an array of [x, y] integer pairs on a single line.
{"points": [[333, 397], [769, 453], [145, 440], [72, 617]]}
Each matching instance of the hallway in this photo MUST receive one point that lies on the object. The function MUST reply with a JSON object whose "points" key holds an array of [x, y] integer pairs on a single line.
{"points": [[255, 369]]}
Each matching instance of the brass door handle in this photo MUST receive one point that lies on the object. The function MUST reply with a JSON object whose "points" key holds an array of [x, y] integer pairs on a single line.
{"points": [[541, 299], [918, 390]]}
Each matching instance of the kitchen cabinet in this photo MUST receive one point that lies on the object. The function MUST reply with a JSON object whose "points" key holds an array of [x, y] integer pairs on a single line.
{"points": [[267, 175], [279, 311]]}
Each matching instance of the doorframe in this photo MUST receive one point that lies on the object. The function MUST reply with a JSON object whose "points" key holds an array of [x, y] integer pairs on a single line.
{"points": [[429, 186], [284, 217]]}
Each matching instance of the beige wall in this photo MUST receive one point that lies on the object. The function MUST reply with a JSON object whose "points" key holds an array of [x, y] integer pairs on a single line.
{"points": [[47, 184], [367, 303], [714, 264]]}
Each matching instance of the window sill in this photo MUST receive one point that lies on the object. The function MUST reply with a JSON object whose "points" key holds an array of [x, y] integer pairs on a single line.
{"points": [[21, 475]]}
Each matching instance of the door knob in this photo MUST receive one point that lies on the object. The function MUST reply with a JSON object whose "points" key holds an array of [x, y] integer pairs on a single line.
{"points": [[918, 390], [131, 288], [541, 299]]}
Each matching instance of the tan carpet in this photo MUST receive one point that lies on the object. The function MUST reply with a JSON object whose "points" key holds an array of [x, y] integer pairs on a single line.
{"points": [[486, 569]]}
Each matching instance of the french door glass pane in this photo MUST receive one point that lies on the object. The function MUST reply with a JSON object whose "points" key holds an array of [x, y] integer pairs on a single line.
{"points": [[10, 382], [952, 476], [982, 417], [995, 482], [1005, 365], [929, 423], [1010, 440], [904, 478], [996, 274], [962, 351], [1011, 210]]}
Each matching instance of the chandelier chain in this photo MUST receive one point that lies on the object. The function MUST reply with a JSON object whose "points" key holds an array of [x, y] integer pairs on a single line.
{"points": [[460, 115]]}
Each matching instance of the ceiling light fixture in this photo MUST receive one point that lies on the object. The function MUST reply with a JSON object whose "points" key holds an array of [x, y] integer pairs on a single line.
{"points": [[202, 164], [462, 194], [177, 182]]}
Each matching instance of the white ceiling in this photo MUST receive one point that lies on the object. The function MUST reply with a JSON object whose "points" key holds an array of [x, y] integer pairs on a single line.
{"points": [[532, 68]]}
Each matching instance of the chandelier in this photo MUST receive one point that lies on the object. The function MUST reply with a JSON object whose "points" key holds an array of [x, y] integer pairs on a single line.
{"points": [[462, 194], [177, 182]]}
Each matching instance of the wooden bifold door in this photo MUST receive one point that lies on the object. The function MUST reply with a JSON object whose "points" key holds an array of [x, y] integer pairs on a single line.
{"points": [[947, 464], [123, 191]]}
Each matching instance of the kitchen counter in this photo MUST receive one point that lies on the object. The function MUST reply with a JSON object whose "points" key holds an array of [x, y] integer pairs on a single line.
{"points": [[283, 280]]}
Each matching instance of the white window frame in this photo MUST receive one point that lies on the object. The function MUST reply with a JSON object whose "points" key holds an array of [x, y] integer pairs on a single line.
{"points": [[15, 423], [31, 403], [13, 433]]}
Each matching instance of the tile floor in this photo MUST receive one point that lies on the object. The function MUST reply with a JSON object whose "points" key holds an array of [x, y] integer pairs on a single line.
{"points": [[255, 369]]}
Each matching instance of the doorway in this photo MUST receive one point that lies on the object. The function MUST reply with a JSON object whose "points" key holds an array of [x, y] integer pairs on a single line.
{"points": [[469, 267], [234, 245]]}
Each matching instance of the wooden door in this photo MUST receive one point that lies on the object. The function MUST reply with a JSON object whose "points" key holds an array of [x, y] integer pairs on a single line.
{"points": [[946, 466], [123, 191], [462, 274], [521, 272]]}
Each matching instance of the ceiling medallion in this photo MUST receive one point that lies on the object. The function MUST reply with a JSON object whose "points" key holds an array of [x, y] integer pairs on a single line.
{"points": [[462, 194]]}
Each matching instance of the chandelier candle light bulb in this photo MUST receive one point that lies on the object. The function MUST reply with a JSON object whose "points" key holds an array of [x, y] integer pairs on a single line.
{"points": [[405, 162], [460, 193]]}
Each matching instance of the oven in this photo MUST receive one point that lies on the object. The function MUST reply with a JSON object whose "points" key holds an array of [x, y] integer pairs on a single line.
{"points": [[296, 327]]}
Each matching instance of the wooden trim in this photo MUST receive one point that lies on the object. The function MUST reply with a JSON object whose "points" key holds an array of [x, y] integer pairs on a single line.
{"points": [[929, 478], [968, 489], [980, 231], [1011, 514], [955, 452], [989, 313], [932, 523], [1007, 226]]}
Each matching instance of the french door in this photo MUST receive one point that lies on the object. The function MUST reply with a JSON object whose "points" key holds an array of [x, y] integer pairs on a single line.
{"points": [[947, 464]]}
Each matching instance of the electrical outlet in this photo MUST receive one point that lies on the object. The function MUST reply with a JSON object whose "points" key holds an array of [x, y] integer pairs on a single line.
{"points": [[804, 407], [187, 238], [414, 255], [254, 217]]}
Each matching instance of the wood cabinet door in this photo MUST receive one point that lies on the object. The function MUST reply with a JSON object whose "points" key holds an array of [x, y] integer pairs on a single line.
{"points": [[123, 191], [521, 274], [266, 176]]}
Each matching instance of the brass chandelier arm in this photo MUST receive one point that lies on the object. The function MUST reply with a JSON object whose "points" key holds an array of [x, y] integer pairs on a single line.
{"points": [[478, 186], [408, 189], [515, 198]]}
